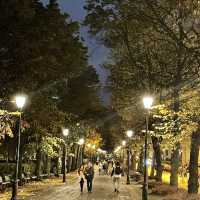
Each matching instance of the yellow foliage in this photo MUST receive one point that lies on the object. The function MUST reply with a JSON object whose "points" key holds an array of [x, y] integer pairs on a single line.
{"points": [[93, 142]]}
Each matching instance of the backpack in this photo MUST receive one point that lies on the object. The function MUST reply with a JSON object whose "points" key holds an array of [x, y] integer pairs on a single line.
{"points": [[118, 170]]}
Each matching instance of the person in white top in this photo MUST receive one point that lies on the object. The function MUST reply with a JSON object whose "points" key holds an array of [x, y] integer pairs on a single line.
{"points": [[116, 174], [81, 177]]}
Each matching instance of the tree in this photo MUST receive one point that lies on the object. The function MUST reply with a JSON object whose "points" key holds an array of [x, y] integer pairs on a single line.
{"points": [[190, 114], [41, 52], [154, 46]]}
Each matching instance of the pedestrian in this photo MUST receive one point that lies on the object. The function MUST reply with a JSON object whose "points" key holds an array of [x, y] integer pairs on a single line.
{"points": [[89, 175], [116, 174], [81, 177], [106, 168], [100, 167]]}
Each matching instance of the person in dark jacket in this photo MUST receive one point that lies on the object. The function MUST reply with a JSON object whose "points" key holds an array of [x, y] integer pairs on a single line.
{"points": [[89, 176]]}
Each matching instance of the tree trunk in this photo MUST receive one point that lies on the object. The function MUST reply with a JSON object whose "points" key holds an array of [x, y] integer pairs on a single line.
{"points": [[47, 165], [193, 183], [57, 166], [69, 164], [77, 157], [175, 157], [21, 152], [38, 163], [73, 159], [153, 166], [133, 161], [80, 157], [63, 170], [175, 162], [158, 158], [141, 162], [73, 166]]}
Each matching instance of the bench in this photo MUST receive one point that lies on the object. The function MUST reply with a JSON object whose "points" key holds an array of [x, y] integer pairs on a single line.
{"points": [[5, 182], [60, 175], [136, 176], [33, 178], [24, 180], [1, 183], [27, 179], [42, 176]]}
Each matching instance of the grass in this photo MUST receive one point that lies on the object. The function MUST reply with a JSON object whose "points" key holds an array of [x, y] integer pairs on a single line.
{"points": [[182, 181]]}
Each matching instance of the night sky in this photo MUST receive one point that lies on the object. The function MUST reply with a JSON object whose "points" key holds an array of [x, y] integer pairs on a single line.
{"points": [[97, 53]]}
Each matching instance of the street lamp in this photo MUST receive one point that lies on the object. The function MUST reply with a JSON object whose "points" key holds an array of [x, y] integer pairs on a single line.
{"points": [[129, 133], [20, 102], [124, 143], [81, 141], [89, 145], [65, 133], [147, 101]]}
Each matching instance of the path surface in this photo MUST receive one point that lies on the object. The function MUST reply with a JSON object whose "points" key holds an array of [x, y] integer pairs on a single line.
{"points": [[102, 190]]}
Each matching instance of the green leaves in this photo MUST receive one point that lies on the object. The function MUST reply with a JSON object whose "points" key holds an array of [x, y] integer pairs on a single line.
{"points": [[51, 145]]}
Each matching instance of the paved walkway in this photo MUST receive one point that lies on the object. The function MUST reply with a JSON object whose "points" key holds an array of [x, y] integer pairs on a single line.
{"points": [[102, 190]]}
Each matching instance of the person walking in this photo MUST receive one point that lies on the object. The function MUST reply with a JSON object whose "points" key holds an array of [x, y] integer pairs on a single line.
{"points": [[116, 174], [89, 175], [100, 168], [81, 177]]}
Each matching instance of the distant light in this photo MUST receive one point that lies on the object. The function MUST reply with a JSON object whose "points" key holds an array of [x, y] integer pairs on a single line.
{"points": [[147, 101], [149, 162], [129, 133], [123, 143], [55, 97], [81, 141], [66, 132], [20, 101], [89, 145]]}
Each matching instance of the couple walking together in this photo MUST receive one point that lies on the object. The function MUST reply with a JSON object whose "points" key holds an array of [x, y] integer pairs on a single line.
{"points": [[88, 174]]}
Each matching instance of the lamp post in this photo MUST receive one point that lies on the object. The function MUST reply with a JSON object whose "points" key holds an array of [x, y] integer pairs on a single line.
{"points": [[20, 102], [81, 143], [129, 133], [147, 101], [123, 145], [65, 134]]}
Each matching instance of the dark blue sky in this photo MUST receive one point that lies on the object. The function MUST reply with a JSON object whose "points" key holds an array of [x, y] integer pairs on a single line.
{"points": [[97, 53]]}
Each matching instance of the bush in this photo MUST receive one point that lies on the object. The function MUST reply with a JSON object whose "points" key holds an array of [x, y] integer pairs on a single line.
{"points": [[163, 189], [172, 193], [182, 195]]}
